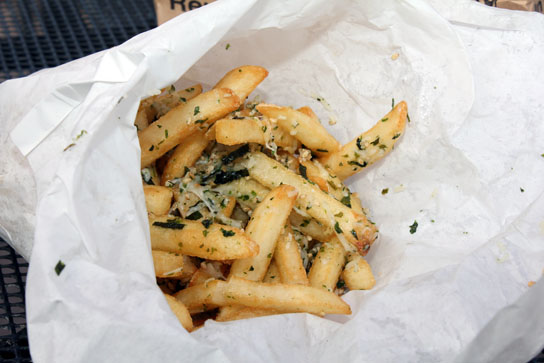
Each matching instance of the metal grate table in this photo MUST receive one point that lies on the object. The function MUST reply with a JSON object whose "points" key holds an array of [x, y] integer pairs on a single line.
{"points": [[36, 34]]}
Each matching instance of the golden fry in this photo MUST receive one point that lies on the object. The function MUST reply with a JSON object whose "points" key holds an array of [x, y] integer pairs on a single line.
{"points": [[184, 156], [327, 265], [167, 264], [158, 199], [243, 80], [180, 311], [370, 146], [357, 274], [289, 261]]}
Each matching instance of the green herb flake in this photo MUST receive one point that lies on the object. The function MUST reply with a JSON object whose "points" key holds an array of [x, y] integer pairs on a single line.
{"points": [[59, 267], [339, 214], [354, 234], [331, 184], [392, 103], [227, 233], [385, 119], [227, 46], [385, 191], [432, 220], [159, 126], [264, 128], [201, 121], [302, 170], [269, 255], [305, 222], [408, 117], [375, 142], [323, 150], [353, 162], [251, 268], [205, 233], [383, 147], [340, 284], [196, 111], [253, 193], [206, 223], [189, 89], [396, 136], [522, 190], [337, 228], [170, 223], [166, 134], [359, 145], [413, 227], [194, 216], [152, 148], [346, 201], [183, 99]]}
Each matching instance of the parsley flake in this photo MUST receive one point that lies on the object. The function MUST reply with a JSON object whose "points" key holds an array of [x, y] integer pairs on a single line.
{"points": [[196, 111], [227, 233], [59, 267], [385, 191], [413, 227], [337, 228]]}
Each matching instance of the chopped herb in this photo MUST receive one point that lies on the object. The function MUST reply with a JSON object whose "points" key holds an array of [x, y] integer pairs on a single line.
{"points": [[213, 250], [305, 222], [272, 198], [159, 126], [396, 136], [206, 223], [152, 148], [83, 132], [264, 128], [160, 142], [196, 111], [383, 147], [205, 233], [186, 170], [166, 134], [413, 227], [253, 193], [375, 142], [69, 146], [339, 214], [224, 177], [183, 99], [323, 150], [359, 146], [346, 201], [432, 221], [59, 267], [392, 103], [227, 233], [170, 223], [340, 284], [465, 232], [385, 191], [228, 46], [384, 119], [302, 170], [354, 234], [331, 184], [202, 245], [353, 162], [172, 89], [269, 255], [522, 190], [408, 117], [241, 151], [251, 268], [189, 89], [244, 197], [194, 216], [337, 228], [201, 121], [240, 70]]}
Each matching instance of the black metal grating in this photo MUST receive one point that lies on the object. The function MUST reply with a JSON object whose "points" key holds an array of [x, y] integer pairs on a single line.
{"points": [[36, 34]]}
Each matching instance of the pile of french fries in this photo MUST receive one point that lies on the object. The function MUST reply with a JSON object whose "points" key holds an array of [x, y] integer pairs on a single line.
{"points": [[248, 212]]}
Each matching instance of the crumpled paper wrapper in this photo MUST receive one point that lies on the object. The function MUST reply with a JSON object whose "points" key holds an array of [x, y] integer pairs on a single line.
{"points": [[469, 169]]}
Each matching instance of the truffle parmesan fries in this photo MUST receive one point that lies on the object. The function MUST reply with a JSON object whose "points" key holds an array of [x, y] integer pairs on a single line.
{"points": [[248, 211]]}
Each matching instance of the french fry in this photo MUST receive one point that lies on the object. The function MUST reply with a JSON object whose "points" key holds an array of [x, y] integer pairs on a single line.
{"points": [[159, 105], [230, 131], [183, 120], [327, 265], [243, 80], [180, 311], [184, 156], [206, 271], [310, 227], [357, 274], [289, 261], [370, 146], [229, 208], [308, 112], [167, 264], [203, 297], [192, 238], [158, 199], [272, 274], [282, 297], [307, 130], [348, 225], [244, 313], [264, 227]]}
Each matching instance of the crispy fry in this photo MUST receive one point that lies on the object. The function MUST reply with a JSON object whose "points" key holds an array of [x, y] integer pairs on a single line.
{"points": [[289, 261], [370, 146], [230, 131], [184, 156], [227, 211], [310, 132], [282, 297], [310, 227], [352, 227], [264, 227], [167, 264], [217, 242], [158, 199], [243, 80], [244, 313], [357, 274], [159, 105], [183, 120], [180, 311], [327, 265]]}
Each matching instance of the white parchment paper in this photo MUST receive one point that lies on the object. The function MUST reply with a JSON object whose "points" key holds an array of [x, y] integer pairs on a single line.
{"points": [[469, 169]]}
